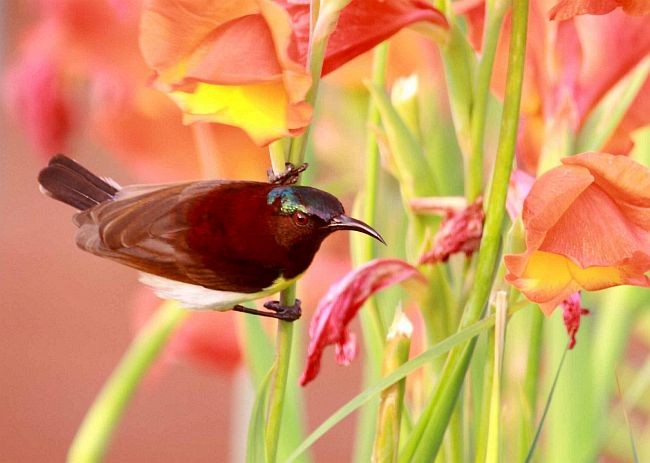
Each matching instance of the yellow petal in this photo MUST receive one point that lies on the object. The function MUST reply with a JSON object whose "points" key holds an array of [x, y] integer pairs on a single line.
{"points": [[550, 278], [262, 110]]}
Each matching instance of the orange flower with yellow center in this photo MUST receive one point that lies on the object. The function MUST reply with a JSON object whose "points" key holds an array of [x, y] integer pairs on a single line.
{"points": [[587, 227], [228, 62], [243, 63]]}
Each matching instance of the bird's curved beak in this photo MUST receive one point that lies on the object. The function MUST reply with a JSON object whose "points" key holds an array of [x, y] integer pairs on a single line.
{"points": [[343, 222]]}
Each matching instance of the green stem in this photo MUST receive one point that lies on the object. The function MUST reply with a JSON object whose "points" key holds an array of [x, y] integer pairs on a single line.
{"points": [[92, 439], [281, 368], [283, 345], [495, 10], [366, 246], [278, 156], [363, 251], [429, 431], [315, 59], [288, 296]]}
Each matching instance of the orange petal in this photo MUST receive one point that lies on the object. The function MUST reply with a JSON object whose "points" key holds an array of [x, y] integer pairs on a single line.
{"points": [[239, 52], [622, 178], [606, 61], [171, 30], [361, 25], [567, 9], [550, 197]]}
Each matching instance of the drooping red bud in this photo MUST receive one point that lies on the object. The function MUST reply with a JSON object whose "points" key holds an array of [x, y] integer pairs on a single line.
{"points": [[340, 305], [461, 231], [572, 310]]}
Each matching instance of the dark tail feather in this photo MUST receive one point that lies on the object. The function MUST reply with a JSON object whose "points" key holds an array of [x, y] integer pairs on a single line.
{"points": [[68, 182]]}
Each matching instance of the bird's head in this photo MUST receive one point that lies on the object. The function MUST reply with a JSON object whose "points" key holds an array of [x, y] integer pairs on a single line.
{"points": [[305, 216]]}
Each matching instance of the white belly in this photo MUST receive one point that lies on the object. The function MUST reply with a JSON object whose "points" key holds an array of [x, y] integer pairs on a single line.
{"points": [[200, 298]]}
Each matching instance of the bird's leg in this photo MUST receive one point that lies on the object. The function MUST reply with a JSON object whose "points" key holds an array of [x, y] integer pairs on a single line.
{"points": [[289, 176], [276, 310], [292, 312]]}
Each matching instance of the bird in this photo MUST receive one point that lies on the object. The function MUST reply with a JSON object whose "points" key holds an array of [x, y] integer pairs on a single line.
{"points": [[208, 244]]}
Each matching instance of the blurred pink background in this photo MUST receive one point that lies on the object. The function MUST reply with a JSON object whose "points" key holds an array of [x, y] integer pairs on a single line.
{"points": [[67, 318]]}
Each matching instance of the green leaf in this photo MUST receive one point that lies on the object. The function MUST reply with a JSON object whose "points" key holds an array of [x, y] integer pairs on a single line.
{"points": [[459, 63], [94, 435], [413, 170], [258, 350], [255, 448], [400, 373]]}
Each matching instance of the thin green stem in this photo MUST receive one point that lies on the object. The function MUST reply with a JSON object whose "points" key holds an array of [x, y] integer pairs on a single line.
{"points": [[533, 445], [94, 435], [278, 156], [495, 10], [366, 246], [281, 368], [315, 60], [429, 431], [288, 296], [363, 250]]}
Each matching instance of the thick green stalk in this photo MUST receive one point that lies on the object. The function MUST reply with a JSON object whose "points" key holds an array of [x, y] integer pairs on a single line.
{"points": [[495, 10], [429, 431], [92, 439], [494, 435]]}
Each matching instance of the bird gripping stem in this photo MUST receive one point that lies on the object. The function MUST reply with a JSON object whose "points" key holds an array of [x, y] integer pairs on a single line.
{"points": [[289, 176]]}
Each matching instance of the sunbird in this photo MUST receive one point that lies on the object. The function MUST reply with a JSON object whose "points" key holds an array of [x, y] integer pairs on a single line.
{"points": [[211, 244]]}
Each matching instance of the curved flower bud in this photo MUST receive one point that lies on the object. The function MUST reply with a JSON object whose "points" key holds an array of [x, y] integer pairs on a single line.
{"points": [[460, 231], [587, 227]]}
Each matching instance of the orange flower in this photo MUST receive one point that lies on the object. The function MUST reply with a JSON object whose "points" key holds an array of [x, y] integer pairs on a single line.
{"points": [[566, 9], [587, 227], [71, 77], [570, 66], [243, 63]]}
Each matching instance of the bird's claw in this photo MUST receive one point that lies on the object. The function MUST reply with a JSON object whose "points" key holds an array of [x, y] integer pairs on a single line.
{"points": [[276, 310], [289, 176], [290, 314]]}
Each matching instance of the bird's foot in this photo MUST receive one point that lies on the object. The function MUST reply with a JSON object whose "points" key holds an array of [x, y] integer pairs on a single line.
{"points": [[289, 176], [276, 310]]}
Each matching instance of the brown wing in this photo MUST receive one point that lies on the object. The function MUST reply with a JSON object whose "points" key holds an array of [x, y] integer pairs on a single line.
{"points": [[146, 228]]}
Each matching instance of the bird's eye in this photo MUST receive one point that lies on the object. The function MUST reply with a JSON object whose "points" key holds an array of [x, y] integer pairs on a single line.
{"points": [[300, 218]]}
